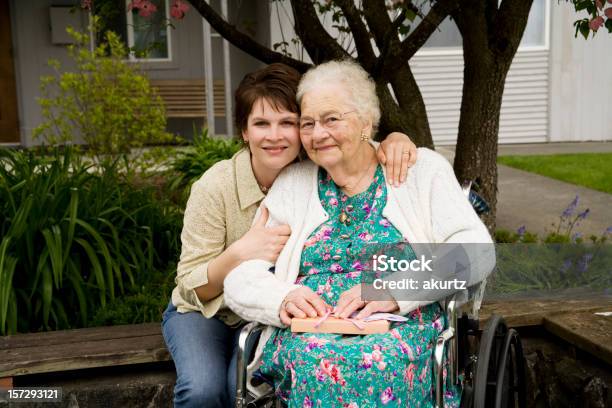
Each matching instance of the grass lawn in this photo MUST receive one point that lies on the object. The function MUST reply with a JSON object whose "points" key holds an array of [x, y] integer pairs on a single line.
{"points": [[592, 170]]}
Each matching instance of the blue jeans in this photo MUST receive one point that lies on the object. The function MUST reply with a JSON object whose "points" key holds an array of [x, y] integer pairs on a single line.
{"points": [[204, 353]]}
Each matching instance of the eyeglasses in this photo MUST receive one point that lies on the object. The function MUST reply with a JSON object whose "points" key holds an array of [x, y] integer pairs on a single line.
{"points": [[328, 121]]}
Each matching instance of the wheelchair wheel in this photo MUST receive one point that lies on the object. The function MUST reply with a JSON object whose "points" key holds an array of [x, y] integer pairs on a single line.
{"points": [[499, 379]]}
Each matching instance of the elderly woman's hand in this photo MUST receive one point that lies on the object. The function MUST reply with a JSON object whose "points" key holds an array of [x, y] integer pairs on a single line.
{"points": [[350, 301], [302, 302], [397, 153]]}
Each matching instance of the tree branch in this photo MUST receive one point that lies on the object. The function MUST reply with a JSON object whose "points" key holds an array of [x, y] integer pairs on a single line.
{"points": [[471, 21], [242, 40], [426, 27], [360, 33], [320, 45], [509, 25]]}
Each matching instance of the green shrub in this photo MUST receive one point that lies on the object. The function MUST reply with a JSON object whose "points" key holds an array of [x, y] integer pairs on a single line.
{"points": [[560, 260], [188, 165], [146, 304], [73, 239], [106, 101]]}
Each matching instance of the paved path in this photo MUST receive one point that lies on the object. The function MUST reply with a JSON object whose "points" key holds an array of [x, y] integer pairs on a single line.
{"points": [[537, 202]]}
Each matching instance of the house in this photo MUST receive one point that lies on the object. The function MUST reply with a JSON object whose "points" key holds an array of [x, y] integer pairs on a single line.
{"points": [[192, 56], [558, 88]]}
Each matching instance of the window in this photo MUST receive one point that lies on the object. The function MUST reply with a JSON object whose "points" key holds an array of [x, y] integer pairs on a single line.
{"points": [[147, 35], [447, 35]]}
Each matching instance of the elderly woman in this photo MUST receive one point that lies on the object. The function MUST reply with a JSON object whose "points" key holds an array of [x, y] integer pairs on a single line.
{"points": [[200, 332], [335, 205]]}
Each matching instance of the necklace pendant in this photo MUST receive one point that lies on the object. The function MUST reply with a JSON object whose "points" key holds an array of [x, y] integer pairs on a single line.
{"points": [[343, 218]]}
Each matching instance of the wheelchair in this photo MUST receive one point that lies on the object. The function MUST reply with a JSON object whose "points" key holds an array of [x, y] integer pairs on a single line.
{"points": [[488, 364]]}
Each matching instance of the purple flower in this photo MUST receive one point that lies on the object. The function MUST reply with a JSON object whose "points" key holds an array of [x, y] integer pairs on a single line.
{"points": [[608, 230], [570, 208], [583, 214], [567, 264], [357, 266], [583, 263], [575, 237], [521, 231]]}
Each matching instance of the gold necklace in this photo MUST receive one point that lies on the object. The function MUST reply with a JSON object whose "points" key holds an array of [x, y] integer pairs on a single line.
{"points": [[263, 189], [344, 218]]}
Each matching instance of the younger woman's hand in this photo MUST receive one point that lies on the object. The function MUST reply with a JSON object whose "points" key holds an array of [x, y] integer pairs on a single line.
{"points": [[397, 153], [261, 242]]}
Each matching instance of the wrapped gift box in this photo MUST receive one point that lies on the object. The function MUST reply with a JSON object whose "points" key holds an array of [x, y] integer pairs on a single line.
{"points": [[338, 326]]}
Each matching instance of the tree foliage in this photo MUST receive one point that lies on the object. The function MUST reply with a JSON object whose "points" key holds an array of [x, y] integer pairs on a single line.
{"points": [[104, 101]]}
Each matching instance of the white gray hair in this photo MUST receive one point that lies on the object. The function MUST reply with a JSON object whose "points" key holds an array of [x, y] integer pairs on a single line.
{"points": [[353, 78]]}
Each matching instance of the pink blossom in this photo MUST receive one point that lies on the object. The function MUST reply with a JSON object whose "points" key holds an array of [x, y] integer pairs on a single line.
{"points": [[595, 23], [608, 12], [320, 375], [352, 405], [145, 7], [326, 256], [406, 349], [424, 373], [379, 192], [333, 201], [385, 223], [364, 236], [313, 343], [325, 365], [357, 266], [387, 396], [336, 268], [178, 9], [366, 361], [376, 355], [307, 403], [370, 390], [409, 375], [336, 376], [381, 366], [395, 334]]}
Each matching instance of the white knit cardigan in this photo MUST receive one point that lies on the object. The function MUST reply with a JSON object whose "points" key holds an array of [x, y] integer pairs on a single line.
{"points": [[429, 207]]}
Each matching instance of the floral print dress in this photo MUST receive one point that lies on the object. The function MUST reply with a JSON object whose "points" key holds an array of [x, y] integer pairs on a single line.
{"points": [[392, 369]]}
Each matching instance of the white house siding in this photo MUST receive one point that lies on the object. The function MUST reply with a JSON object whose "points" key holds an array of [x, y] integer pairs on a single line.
{"points": [[524, 113], [580, 81]]}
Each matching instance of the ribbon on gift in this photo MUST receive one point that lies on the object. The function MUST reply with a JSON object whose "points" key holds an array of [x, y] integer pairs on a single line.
{"points": [[359, 322]]}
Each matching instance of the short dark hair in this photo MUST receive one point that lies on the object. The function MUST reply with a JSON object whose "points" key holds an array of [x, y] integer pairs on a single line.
{"points": [[277, 83]]}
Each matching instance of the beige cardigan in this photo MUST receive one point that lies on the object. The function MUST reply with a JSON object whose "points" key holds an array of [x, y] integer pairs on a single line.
{"points": [[220, 210], [429, 207]]}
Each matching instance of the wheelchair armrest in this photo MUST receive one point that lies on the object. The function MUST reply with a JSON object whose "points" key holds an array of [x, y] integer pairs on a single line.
{"points": [[446, 336], [247, 343]]}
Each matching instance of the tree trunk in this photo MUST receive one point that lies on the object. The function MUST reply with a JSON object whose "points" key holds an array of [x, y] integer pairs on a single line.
{"points": [[476, 151], [491, 33]]}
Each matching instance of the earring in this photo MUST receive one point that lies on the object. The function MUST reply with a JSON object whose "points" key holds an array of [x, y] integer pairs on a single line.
{"points": [[245, 141], [364, 137]]}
